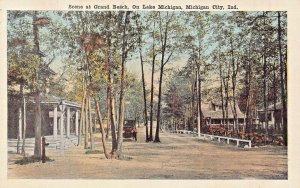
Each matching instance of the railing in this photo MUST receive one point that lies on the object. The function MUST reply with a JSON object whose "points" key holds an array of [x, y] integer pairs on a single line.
{"points": [[212, 137]]}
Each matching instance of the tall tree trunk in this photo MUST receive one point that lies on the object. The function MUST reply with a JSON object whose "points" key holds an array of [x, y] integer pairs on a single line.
{"points": [[265, 74], [107, 156], [151, 100], [283, 73], [21, 123], [274, 96], [145, 97], [221, 88], [225, 82], [122, 88], [249, 93], [193, 103], [198, 102], [152, 85], [38, 120], [91, 125], [24, 125], [82, 111], [86, 134], [112, 116], [108, 106], [233, 80], [159, 103], [143, 82], [164, 37], [198, 64], [265, 95], [109, 86], [248, 88]]}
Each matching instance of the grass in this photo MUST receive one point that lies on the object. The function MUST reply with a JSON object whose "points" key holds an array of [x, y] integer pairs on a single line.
{"points": [[93, 151], [31, 159]]}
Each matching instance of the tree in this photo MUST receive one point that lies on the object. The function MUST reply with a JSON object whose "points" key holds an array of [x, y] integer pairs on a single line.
{"points": [[168, 36], [196, 50], [153, 55], [140, 29], [283, 77], [35, 78]]}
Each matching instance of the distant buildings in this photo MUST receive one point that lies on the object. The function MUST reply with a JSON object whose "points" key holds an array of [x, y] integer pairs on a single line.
{"points": [[212, 114], [274, 116]]}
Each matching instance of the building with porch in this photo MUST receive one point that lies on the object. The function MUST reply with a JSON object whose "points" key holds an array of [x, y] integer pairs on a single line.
{"points": [[59, 119], [213, 115], [58, 116], [274, 114], [53, 117]]}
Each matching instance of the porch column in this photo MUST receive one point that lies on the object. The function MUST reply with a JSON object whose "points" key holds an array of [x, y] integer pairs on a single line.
{"points": [[55, 123], [62, 144], [20, 124], [95, 122], [273, 118], [76, 123], [68, 122], [24, 119]]}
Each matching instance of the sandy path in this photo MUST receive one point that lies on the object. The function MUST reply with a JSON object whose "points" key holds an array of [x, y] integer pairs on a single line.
{"points": [[176, 157]]}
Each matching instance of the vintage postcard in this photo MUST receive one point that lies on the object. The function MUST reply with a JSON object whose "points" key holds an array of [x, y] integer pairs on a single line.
{"points": [[124, 93]]}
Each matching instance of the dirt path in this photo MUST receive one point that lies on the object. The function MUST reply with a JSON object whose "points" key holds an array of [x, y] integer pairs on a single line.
{"points": [[176, 157]]}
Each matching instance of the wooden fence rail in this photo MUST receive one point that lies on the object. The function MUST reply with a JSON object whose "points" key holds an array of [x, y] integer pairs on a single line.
{"points": [[212, 137]]}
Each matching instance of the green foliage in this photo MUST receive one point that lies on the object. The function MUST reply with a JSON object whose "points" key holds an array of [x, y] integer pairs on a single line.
{"points": [[21, 68], [134, 99], [93, 152], [31, 159]]}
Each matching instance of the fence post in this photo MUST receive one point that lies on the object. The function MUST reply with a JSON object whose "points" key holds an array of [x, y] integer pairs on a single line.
{"points": [[44, 144]]}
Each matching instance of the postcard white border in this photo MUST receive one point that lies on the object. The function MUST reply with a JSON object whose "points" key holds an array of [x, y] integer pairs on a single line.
{"points": [[291, 6]]}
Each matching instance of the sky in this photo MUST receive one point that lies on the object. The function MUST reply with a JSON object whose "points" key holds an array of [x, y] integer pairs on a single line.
{"points": [[133, 64]]}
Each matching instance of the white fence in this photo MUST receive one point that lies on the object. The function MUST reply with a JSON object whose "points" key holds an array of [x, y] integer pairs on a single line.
{"points": [[212, 137]]}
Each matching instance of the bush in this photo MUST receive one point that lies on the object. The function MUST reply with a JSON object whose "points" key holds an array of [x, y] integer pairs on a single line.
{"points": [[93, 152], [31, 159]]}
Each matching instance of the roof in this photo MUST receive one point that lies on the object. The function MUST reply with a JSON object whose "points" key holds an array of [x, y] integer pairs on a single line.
{"points": [[211, 110], [52, 99], [278, 106]]}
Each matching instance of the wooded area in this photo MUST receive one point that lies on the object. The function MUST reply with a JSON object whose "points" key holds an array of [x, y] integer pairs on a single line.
{"points": [[235, 59]]}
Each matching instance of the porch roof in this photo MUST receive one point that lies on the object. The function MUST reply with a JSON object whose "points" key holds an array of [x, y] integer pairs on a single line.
{"points": [[52, 99], [209, 112]]}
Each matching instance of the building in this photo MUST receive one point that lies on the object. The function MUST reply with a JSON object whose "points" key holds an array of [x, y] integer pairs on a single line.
{"points": [[52, 116], [274, 116], [213, 115], [58, 116]]}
